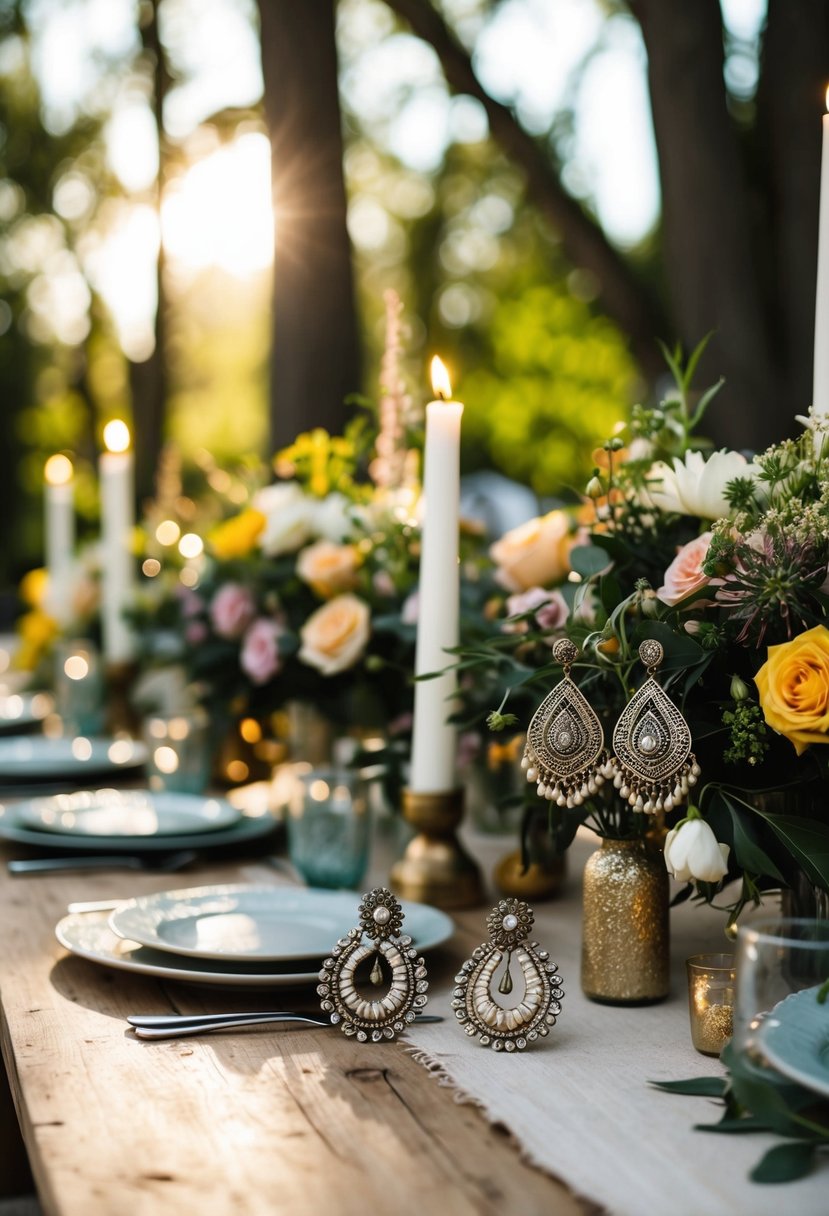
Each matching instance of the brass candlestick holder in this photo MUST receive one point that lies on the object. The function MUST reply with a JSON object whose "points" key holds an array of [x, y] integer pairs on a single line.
{"points": [[121, 715], [435, 869]]}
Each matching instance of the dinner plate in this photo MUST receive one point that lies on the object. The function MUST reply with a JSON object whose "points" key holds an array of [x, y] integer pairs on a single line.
{"points": [[20, 711], [89, 936], [794, 1038], [126, 814], [257, 923], [36, 757], [247, 828]]}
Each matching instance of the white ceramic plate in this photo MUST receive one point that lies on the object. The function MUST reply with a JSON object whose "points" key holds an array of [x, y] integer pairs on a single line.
{"points": [[258, 924], [89, 936], [245, 829], [794, 1038], [22, 710], [37, 758], [127, 814]]}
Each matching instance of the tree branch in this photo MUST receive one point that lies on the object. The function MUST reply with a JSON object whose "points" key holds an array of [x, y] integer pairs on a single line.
{"points": [[623, 296]]}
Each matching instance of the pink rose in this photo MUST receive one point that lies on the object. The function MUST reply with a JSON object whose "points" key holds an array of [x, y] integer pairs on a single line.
{"points": [[195, 632], [191, 603], [260, 658], [232, 610], [553, 614], [383, 583], [549, 607], [411, 609], [684, 575]]}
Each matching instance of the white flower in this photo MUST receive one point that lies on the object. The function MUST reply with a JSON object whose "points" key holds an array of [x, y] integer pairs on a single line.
{"points": [[693, 853], [332, 518], [696, 486], [289, 517]]}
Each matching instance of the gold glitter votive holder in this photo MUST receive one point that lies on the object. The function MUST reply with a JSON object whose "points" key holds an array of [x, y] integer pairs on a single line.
{"points": [[711, 991]]}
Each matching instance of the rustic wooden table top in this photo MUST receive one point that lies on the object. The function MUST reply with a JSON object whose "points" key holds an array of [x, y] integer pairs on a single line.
{"points": [[255, 1121]]}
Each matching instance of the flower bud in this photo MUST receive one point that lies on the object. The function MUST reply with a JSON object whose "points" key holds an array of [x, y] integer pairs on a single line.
{"points": [[693, 853], [594, 489], [739, 689]]}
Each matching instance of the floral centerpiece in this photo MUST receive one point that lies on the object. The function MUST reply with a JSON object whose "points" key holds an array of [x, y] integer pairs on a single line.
{"points": [[722, 560]]}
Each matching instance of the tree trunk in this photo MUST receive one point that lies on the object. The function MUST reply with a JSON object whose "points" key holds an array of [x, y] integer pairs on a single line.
{"points": [[315, 360], [622, 295], [795, 75], [148, 379], [707, 223]]}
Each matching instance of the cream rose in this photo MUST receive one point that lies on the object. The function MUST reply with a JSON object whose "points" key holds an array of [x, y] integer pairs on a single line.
{"points": [[289, 517], [335, 636], [685, 575], [535, 553], [328, 568], [696, 486]]}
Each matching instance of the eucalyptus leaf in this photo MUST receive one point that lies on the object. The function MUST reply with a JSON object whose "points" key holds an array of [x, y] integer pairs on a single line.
{"points": [[701, 1087], [785, 1162], [588, 560], [734, 1126], [806, 842], [749, 853]]}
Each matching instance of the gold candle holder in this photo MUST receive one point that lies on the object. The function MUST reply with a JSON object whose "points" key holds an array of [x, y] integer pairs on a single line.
{"points": [[711, 986], [121, 715], [435, 869]]}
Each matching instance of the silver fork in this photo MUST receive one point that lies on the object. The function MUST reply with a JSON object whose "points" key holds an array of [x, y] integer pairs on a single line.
{"points": [[173, 1026], [162, 863]]}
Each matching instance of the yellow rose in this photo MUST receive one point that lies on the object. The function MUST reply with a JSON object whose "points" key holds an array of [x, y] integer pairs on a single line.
{"points": [[237, 536], [335, 636], [37, 630], [33, 587], [328, 568], [794, 688], [535, 554]]}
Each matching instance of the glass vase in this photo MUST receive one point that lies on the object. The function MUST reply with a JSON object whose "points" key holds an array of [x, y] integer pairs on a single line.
{"points": [[625, 935]]}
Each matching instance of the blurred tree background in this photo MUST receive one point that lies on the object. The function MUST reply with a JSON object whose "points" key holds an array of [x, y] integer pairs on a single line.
{"points": [[503, 163]]}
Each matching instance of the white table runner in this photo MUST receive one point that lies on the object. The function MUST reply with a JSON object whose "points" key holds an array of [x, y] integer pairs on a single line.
{"points": [[579, 1103]]}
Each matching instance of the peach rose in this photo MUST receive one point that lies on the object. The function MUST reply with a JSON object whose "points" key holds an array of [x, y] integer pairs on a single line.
{"points": [[335, 636], [794, 688], [328, 568], [684, 576], [535, 554]]}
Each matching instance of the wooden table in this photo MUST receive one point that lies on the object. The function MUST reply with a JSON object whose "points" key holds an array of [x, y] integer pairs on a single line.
{"points": [[257, 1121]]}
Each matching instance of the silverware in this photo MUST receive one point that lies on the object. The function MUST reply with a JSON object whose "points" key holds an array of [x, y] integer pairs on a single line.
{"points": [[173, 1026], [163, 863]]}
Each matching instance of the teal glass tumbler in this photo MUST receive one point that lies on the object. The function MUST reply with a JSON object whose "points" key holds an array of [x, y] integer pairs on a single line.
{"points": [[329, 828]]}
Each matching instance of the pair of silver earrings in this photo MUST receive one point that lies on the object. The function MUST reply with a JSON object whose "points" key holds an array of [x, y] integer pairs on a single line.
{"points": [[652, 765], [508, 1018]]}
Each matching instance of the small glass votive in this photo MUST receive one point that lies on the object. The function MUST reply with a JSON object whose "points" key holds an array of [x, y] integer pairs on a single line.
{"points": [[329, 828], [79, 687], [179, 758], [711, 991]]}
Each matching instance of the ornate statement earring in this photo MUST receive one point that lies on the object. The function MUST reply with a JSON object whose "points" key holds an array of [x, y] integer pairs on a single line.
{"points": [[565, 753], [653, 762], [346, 995], [502, 1027]]}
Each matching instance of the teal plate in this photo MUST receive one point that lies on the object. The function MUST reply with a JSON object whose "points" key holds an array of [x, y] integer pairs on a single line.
{"points": [[794, 1038]]}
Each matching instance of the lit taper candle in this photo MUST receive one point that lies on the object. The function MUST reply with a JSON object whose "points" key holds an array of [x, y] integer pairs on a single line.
{"points": [[59, 529], [117, 522], [433, 738], [820, 386]]}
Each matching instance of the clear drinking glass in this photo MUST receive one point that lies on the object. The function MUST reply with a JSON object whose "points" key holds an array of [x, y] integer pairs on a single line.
{"points": [[179, 758], [711, 990], [329, 828], [777, 957], [79, 686]]}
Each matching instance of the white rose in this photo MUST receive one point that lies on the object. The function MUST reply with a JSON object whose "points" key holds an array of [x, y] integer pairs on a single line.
{"points": [[289, 517], [335, 636], [696, 486], [332, 518], [693, 853]]}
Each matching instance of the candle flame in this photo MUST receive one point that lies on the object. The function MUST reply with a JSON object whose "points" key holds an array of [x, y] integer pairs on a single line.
{"points": [[116, 436], [58, 470], [441, 385]]}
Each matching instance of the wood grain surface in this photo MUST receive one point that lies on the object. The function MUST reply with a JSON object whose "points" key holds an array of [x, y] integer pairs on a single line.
{"points": [[249, 1122]]}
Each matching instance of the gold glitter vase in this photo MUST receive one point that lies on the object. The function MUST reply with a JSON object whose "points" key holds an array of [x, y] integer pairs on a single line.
{"points": [[625, 936]]}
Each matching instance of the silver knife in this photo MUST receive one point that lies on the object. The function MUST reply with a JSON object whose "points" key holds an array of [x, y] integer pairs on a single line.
{"points": [[173, 1026]]}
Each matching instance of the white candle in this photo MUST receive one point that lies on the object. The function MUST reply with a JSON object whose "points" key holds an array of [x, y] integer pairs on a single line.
{"points": [[117, 523], [433, 738], [820, 386], [59, 527]]}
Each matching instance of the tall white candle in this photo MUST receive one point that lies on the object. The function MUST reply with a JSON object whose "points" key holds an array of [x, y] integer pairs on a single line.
{"points": [[117, 523], [59, 528], [820, 386], [434, 739]]}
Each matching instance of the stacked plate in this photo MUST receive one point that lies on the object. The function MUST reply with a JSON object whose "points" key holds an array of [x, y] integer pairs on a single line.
{"points": [[233, 935], [794, 1039]]}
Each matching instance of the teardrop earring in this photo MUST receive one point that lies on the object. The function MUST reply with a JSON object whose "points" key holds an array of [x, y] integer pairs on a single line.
{"points": [[499, 1025], [654, 767], [565, 754]]}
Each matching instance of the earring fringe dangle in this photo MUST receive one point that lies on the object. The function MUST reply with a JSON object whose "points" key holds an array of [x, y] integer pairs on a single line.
{"points": [[654, 767], [479, 1010], [346, 996], [565, 754]]}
